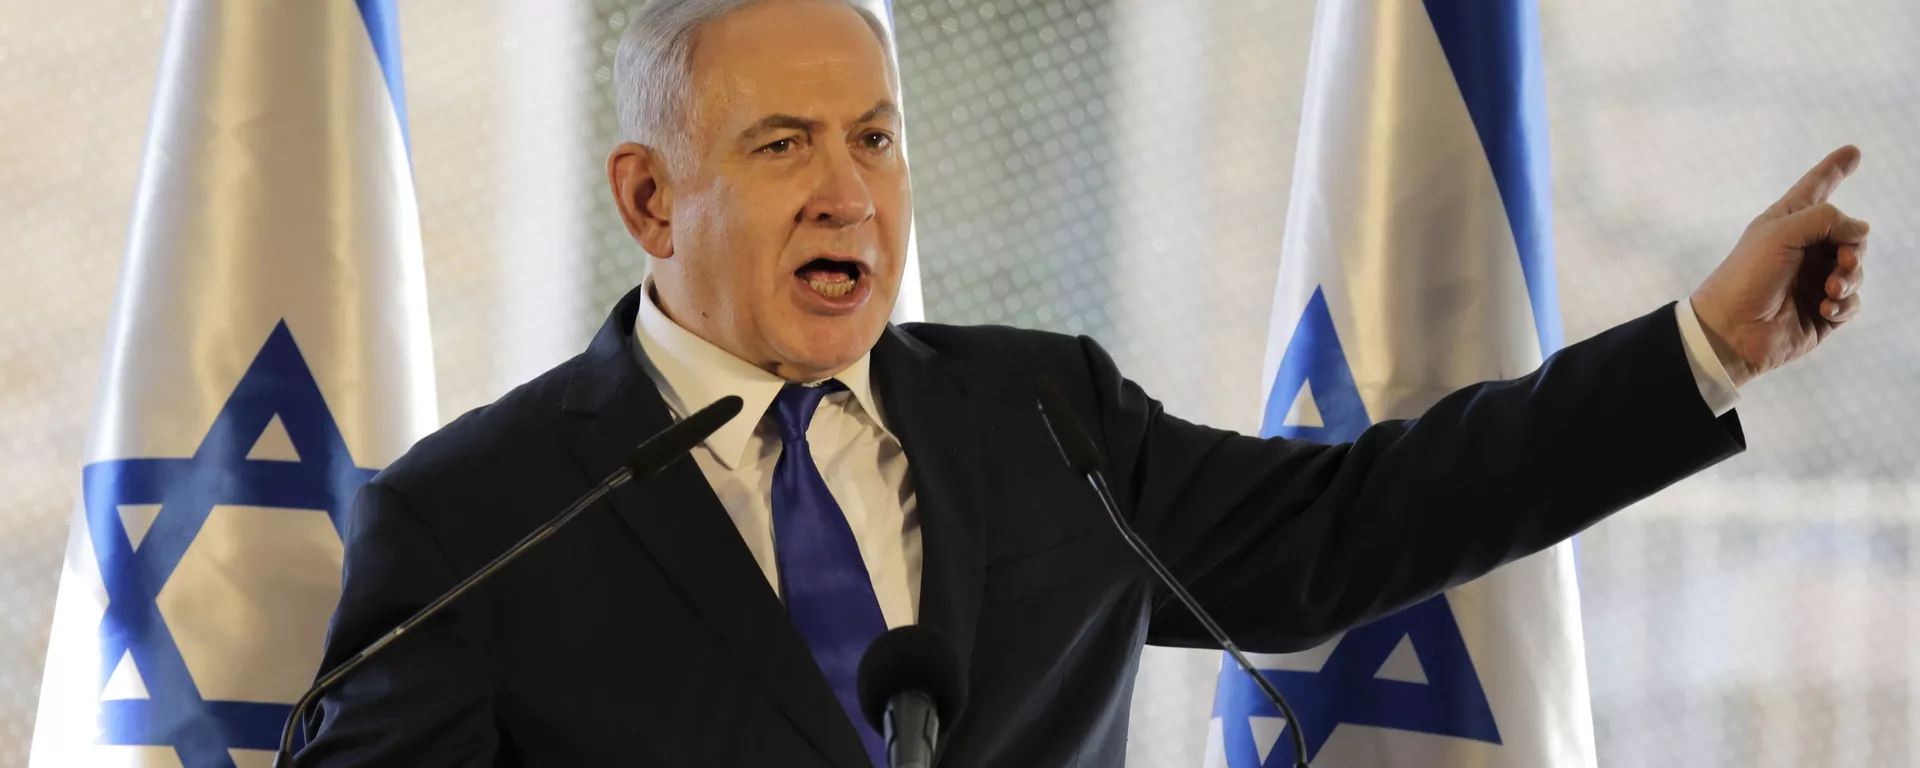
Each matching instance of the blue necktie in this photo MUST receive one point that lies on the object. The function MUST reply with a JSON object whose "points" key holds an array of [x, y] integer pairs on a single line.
{"points": [[822, 577]]}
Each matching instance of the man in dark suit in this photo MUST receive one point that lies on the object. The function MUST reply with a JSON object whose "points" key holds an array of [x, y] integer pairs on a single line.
{"points": [[884, 475]]}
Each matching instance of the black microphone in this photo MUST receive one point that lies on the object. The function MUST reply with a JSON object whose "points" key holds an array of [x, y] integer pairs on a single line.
{"points": [[910, 682], [650, 457], [1084, 457]]}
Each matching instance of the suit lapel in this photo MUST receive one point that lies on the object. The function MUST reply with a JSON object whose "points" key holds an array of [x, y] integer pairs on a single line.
{"points": [[926, 408], [680, 523]]}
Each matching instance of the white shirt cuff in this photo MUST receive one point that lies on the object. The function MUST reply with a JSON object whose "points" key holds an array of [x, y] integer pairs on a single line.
{"points": [[1716, 387]]}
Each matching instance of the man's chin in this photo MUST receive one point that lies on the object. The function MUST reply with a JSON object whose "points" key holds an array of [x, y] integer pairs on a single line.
{"points": [[820, 347]]}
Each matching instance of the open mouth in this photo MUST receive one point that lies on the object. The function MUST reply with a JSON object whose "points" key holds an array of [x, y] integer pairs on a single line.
{"points": [[830, 278]]}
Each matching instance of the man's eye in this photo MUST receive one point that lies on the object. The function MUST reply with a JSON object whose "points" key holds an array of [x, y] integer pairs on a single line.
{"points": [[780, 147], [877, 141]]}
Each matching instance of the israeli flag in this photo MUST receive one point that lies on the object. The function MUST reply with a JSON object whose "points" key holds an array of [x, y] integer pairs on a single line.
{"points": [[1418, 259], [268, 351]]}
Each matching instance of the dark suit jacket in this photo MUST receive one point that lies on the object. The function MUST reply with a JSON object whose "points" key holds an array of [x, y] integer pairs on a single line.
{"points": [[645, 635]]}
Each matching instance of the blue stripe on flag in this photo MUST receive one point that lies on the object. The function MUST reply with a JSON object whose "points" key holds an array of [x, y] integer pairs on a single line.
{"points": [[383, 26], [1494, 49]]}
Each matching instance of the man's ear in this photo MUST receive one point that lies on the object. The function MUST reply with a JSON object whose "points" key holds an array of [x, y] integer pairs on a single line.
{"points": [[643, 191]]}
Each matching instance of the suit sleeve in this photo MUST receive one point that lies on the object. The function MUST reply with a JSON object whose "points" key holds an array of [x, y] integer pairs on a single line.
{"points": [[426, 700], [1289, 542]]}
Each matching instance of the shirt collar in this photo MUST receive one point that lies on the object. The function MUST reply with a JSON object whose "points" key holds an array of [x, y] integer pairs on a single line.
{"points": [[691, 371]]}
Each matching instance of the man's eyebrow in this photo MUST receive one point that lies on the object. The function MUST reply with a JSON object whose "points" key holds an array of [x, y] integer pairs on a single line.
{"points": [[883, 109], [774, 122]]}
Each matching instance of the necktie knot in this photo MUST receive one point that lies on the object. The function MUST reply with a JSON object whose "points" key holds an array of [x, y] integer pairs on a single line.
{"points": [[793, 408]]}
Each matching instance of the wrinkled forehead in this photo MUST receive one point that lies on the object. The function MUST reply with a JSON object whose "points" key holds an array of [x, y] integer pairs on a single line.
{"points": [[816, 59]]}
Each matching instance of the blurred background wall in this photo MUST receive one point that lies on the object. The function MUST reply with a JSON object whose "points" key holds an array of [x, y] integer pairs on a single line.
{"points": [[1120, 168]]}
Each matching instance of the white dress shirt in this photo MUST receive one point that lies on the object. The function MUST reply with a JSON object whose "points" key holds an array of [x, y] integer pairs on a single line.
{"points": [[863, 463]]}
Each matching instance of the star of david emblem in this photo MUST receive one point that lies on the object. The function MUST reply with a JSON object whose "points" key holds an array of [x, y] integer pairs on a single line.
{"points": [[1409, 671], [274, 456]]}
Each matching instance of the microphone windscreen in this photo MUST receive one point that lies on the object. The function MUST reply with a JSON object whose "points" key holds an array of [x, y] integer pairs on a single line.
{"points": [[911, 657], [1072, 439], [661, 449]]}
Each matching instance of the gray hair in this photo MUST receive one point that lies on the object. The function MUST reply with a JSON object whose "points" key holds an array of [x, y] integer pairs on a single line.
{"points": [[653, 71]]}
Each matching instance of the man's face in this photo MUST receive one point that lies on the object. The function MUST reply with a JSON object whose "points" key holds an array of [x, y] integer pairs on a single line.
{"points": [[790, 206]]}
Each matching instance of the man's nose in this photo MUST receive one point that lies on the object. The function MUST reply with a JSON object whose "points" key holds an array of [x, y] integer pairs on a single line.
{"points": [[840, 195]]}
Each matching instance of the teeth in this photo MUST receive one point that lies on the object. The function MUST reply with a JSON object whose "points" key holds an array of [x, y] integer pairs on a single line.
{"points": [[831, 290]]}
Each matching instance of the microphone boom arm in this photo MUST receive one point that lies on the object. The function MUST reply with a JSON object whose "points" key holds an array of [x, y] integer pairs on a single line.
{"points": [[651, 456], [1219, 635], [325, 683], [1083, 456]]}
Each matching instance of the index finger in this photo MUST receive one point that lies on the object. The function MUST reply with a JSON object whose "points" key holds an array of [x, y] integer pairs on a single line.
{"points": [[1820, 182]]}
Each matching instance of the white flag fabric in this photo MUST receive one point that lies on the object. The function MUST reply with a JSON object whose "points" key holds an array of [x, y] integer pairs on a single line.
{"points": [[268, 352], [1417, 260], [910, 305]]}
